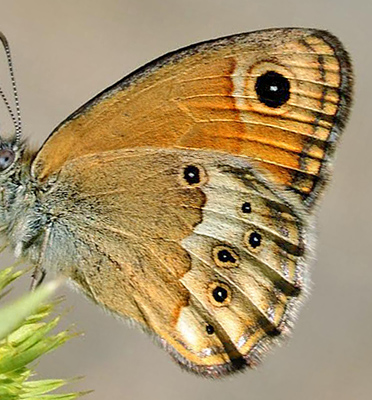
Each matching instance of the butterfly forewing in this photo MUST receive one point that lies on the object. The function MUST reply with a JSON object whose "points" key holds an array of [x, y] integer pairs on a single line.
{"points": [[279, 96]]}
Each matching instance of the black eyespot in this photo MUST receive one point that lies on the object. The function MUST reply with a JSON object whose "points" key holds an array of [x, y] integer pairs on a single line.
{"points": [[272, 89], [246, 208], [209, 329], [220, 294], [255, 239], [226, 256], [7, 157], [191, 174]]}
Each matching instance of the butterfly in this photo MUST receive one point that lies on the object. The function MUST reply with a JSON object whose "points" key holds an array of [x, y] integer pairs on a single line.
{"points": [[182, 197]]}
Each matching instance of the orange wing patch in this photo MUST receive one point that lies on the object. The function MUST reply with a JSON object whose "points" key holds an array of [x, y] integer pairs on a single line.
{"points": [[204, 97]]}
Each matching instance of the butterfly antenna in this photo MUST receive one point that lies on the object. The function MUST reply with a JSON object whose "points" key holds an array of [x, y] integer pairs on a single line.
{"points": [[16, 117]]}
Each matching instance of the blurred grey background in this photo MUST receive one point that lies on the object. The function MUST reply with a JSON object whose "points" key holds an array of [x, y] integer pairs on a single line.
{"points": [[67, 51]]}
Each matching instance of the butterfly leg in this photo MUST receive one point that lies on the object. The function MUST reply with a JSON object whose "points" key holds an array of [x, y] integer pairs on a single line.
{"points": [[39, 272], [37, 277]]}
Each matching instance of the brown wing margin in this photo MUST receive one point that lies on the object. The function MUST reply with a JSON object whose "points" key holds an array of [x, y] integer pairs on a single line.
{"points": [[340, 119]]}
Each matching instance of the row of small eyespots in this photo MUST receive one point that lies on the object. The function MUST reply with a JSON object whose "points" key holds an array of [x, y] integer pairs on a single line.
{"points": [[220, 295], [193, 175], [224, 256], [254, 239]]}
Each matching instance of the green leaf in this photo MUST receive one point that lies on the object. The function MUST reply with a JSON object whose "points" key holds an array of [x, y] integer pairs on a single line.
{"points": [[26, 334], [12, 316]]}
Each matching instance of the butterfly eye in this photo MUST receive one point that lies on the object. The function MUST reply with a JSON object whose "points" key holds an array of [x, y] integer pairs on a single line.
{"points": [[225, 257], [7, 157], [272, 89], [219, 294]]}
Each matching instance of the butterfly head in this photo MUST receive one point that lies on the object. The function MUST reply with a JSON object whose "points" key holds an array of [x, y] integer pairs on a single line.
{"points": [[17, 195], [10, 155], [13, 165]]}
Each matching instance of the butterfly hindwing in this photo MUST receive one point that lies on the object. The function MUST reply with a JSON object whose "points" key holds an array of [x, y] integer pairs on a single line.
{"points": [[196, 247], [249, 261]]}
